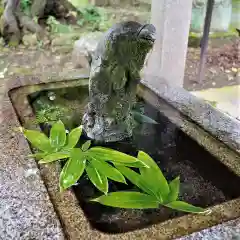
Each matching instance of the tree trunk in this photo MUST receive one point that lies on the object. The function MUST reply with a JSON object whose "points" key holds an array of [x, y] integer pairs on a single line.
{"points": [[10, 28], [13, 20]]}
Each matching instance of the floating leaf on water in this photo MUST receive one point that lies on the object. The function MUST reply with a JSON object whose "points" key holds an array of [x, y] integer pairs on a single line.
{"points": [[38, 155], [136, 179], [154, 176], [86, 145], [54, 157], [111, 155], [97, 178], [73, 137], [58, 135], [73, 169], [174, 186], [38, 140], [186, 207], [108, 170], [128, 200]]}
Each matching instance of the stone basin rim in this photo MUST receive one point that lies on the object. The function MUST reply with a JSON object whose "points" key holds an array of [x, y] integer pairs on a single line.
{"points": [[191, 220]]}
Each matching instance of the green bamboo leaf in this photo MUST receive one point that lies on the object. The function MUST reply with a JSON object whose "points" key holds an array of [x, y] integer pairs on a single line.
{"points": [[54, 157], [107, 170], [138, 164], [186, 207], [136, 179], [73, 169], [174, 189], [97, 178], [144, 157], [73, 137], [58, 135], [86, 145], [38, 140], [38, 156], [128, 200], [107, 154], [154, 177], [141, 118]]}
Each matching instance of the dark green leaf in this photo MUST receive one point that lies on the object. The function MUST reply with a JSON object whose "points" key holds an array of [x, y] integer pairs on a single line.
{"points": [[38, 140], [154, 177], [111, 155], [136, 179], [141, 118], [58, 135], [54, 157], [174, 189], [128, 200], [139, 107], [98, 179], [186, 207], [74, 136], [107, 170], [73, 169], [86, 145]]}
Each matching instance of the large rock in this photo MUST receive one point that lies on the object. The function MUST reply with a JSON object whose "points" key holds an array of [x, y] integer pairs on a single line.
{"points": [[30, 40], [84, 48]]}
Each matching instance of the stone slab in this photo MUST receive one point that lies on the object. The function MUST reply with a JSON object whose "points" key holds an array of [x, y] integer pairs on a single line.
{"points": [[226, 231], [26, 211]]}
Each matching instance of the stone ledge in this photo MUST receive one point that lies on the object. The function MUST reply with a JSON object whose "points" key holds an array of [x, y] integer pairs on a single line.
{"points": [[220, 125], [26, 211]]}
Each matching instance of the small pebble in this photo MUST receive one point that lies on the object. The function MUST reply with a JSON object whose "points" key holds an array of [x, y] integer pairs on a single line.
{"points": [[213, 71], [51, 96], [30, 172]]}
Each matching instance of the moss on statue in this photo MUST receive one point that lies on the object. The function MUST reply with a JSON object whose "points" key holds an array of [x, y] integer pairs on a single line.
{"points": [[115, 73]]}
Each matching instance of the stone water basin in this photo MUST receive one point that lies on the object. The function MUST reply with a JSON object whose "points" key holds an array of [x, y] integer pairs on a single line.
{"points": [[179, 146]]}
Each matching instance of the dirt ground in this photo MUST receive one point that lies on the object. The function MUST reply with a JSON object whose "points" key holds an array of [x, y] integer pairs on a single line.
{"points": [[222, 68]]}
